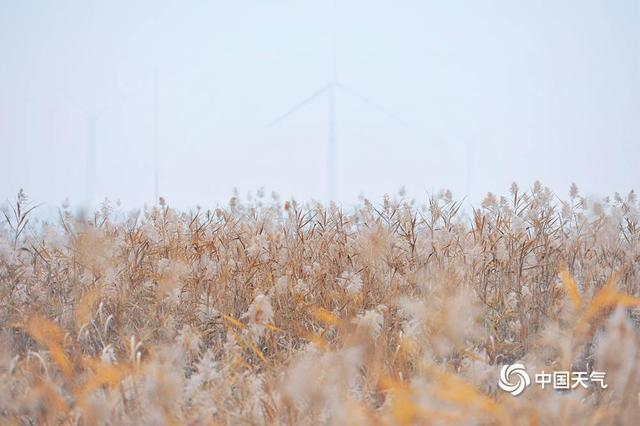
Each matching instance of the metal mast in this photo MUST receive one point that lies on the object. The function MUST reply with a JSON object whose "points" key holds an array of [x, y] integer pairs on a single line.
{"points": [[155, 137], [331, 143], [92, 124]]}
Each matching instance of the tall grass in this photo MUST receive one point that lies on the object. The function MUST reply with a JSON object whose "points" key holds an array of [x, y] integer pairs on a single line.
{"points": [[270, 312]]}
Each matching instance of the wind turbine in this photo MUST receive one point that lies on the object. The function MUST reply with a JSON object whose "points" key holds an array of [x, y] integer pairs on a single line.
{"points": [[92, 117], [330, 89]]}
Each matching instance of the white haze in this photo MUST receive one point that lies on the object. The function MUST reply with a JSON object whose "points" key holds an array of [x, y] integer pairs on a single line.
{"points": [[488, 93]]}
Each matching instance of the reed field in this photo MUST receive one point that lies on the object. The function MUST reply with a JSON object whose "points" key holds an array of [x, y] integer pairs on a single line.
{"points": [[270, 311]]}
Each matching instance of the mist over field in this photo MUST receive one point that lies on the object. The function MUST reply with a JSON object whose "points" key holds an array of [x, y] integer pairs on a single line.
{"points": [[486, 94]]}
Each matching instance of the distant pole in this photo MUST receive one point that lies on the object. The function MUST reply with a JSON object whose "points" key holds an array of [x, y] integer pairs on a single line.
{"points": [[155, 137], [92, 123], [331, 143], [93, 116], [470, 162]]}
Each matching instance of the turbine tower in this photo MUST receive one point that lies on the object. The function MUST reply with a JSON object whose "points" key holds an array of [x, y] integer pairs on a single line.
{"points": [[155, 137], [93, 117], [330, 89]]}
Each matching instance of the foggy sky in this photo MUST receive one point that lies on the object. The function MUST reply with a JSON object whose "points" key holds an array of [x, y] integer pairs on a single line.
{"points": [[488, 93]]}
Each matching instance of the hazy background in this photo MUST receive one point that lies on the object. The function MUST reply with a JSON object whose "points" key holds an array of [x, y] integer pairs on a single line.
{"points": [[489, 93]]}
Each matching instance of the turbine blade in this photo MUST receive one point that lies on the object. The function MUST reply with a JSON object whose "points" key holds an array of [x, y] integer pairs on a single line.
{"points": [[369, 102], [113, 103], [300, 105], [104, 108]]}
